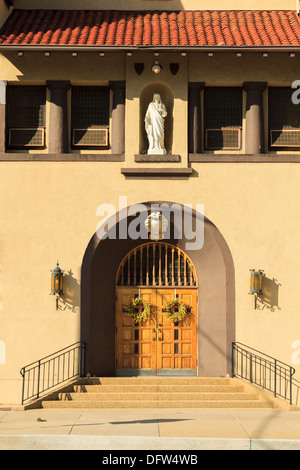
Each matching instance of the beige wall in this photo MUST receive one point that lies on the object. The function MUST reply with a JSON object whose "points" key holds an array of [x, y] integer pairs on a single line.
{"points": [[48, 209], [48, 213], [4, 12]]}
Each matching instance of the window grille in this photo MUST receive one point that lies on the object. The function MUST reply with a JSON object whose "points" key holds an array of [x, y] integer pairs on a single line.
{"points": [[284, 119], [27, 137], [90, 137], [226, 139], [222, 118], [26, 120], [90, 116], [285, 138]]}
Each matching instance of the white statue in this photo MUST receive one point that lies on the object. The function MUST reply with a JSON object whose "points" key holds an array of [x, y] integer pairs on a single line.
{"points": [[156, 224], [155, 125]]}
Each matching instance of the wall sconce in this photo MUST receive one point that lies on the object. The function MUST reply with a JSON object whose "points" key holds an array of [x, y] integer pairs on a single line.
{"points": [[57, 283], [156, 67], [256, 283]]}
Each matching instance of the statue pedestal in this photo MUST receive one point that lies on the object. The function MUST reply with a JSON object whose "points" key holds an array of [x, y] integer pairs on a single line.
{"points": [[156, 152]]}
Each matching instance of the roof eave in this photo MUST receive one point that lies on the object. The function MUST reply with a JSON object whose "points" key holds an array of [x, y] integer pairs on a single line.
{"points": [[150, 48]]}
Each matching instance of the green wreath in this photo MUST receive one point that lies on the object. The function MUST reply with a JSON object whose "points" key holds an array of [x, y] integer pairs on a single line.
{"points": [[135, 312], [175, 310]]}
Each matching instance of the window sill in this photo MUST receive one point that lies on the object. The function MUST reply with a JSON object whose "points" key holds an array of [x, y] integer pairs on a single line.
{"points": [[243, 158], [63, 157]]}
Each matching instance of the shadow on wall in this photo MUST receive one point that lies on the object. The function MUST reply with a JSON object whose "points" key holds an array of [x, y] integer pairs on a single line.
{"points": [[270, 296], [71, 298]]}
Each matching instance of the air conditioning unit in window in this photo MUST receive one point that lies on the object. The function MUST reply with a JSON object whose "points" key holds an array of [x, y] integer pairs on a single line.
{"points": [[223, 139], [285, 138], [90, 137], [26, 137]]}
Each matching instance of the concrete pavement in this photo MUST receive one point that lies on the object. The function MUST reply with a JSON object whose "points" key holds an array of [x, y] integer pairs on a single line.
{"points": [[150, 429]]}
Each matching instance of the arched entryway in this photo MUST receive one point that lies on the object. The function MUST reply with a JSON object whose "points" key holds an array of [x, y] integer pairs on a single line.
{"points": [[214, 270], [153, 281]]}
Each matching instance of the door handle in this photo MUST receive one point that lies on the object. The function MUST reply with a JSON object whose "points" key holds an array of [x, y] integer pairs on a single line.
{"points": [[154, 334]]}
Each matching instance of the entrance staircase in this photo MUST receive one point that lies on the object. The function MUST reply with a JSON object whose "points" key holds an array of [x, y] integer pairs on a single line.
{"points": [[156, 392]]}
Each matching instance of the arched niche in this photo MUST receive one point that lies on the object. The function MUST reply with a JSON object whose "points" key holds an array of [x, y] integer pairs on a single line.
{"points": [[168, 99]]}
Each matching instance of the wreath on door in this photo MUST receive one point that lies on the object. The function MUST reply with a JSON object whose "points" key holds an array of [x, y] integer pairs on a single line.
{"points": [[134, 309], [175, 310]]}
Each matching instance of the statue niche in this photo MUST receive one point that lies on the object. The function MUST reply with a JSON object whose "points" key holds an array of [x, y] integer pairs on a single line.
{"points": [[156, 120], [155, 126]]}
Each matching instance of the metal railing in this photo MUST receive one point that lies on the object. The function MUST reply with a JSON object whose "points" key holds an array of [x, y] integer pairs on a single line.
{"points": [[263, 370], [43, 375]]}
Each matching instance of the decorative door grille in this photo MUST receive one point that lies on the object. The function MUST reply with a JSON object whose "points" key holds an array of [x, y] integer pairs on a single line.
{"points": [[156, 264]]}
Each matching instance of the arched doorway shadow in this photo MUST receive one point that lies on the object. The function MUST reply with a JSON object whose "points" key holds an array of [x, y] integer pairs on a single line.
{"points": [[216, 303]]}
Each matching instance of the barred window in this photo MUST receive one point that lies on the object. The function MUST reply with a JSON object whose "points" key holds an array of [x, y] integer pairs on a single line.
{"points": [[222, 118], [90, 116], [284, 119], [26, 116]]}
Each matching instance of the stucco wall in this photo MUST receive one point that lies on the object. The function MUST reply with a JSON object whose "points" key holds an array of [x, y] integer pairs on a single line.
{"points": [[48, 209], [48, 213]]}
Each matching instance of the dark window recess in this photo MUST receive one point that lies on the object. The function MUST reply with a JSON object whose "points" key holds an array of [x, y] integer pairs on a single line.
{"points": [[136, 348], [175, 348], [26, 116], [90, 116], [136, 335], [284, 119], [222, 118]]}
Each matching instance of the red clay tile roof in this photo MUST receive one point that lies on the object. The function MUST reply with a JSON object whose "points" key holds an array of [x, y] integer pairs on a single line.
{"points": [[151, 28]]}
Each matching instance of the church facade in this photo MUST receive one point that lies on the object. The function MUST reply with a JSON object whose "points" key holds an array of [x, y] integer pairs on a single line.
{"points": [[153, 154]]}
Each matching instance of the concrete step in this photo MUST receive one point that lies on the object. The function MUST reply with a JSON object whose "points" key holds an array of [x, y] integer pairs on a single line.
{"points": [[157, 381], [156, 392], [157, 404], [174, 396], [155, 388]]}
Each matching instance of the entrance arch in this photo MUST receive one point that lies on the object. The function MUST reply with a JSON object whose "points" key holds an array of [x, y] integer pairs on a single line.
{"points": [[157, 273], [214, 269]]}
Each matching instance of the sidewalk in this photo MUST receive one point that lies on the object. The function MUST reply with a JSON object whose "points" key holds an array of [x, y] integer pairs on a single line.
{"points": [[154, 429]]}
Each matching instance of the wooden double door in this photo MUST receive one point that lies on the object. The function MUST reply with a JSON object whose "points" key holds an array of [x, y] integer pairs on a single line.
{"points": [[157, 346]]}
